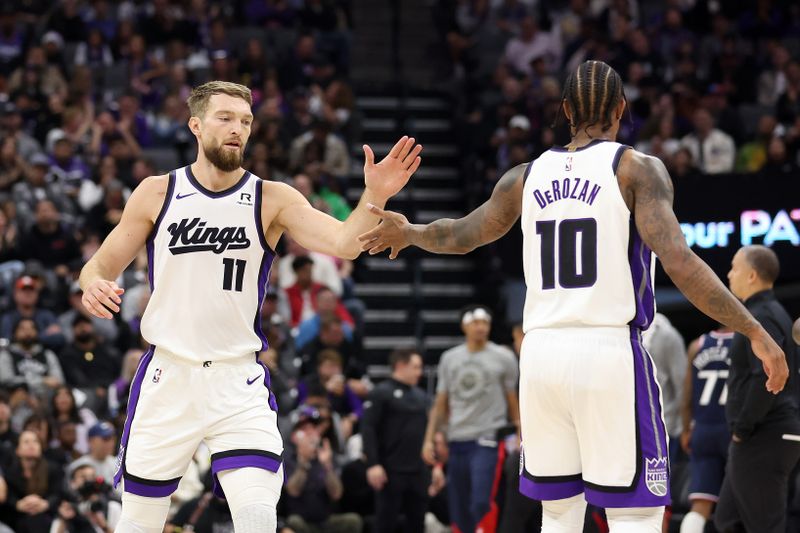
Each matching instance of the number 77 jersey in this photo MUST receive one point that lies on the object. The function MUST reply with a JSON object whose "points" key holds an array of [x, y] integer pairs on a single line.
{"points": [[585, 264], [209, 265], [709, 375]]}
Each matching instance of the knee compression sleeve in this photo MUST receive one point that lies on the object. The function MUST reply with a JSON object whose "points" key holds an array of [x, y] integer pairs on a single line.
{"points": [[141, 514], [693, 522], [635, 520], [563, 516], [252, 495]]}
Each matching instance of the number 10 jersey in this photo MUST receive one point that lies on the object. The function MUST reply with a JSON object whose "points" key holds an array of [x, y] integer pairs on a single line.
{"points": [[208, 263], [585, 264]]}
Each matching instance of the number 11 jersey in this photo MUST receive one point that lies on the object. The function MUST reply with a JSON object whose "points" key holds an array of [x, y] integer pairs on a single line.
{"points": [[585, 264], [208, 263]]}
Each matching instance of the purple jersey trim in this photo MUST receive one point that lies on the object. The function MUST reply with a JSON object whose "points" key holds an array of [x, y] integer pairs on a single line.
{"points": [[241, 459], [216, 194], [263, 281], [158, 490], [152, 237], [133, 399], [640, 259]]}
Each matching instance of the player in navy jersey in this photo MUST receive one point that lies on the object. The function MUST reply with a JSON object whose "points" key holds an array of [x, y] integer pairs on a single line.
{"points": [[705, 436], [594, 216], [210, 229]]}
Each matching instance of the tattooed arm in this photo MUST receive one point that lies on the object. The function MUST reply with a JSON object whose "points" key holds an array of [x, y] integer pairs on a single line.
{"points": [[647, 189], [485, 224]]}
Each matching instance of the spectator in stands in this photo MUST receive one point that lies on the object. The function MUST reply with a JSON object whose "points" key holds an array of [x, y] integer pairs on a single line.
{"points": [[27, 194], [326, 303], [95, 52], [62, 451], [64, 408], [476, 395], [49, 241], [302, 294], [788, 105], [753, 155], [36, 77], [778, 163], [120, 388], [33, 485], [12, 165], [10, 266], [68, 168], [25, 361], [320, 154], [11, 122], [323, 271], [393, 429], [532, 43], [329, 377], [86, 505], [90, 364], [281, 385], [26, 299], [106, 330], [322, 197], [331, 336], [713, 150], [8, 437], [102, 445], [313, 486]]}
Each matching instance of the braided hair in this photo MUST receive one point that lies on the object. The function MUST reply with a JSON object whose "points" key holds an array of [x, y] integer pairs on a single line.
{"points": [[593, 92]]}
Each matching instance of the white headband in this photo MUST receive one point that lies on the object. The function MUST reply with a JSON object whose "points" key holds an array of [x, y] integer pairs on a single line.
{"points": [[476, 314]]}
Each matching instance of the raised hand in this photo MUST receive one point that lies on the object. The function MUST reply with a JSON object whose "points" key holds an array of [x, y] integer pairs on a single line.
{"points": [[390, 233], [387, 178]]}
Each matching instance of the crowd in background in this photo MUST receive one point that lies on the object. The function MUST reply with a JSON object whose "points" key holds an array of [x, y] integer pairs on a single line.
{"points": [[92, 101]]}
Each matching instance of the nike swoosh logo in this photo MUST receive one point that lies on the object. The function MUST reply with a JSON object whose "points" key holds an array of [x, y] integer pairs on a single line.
{"points": [[179, 197], [251, 381]]}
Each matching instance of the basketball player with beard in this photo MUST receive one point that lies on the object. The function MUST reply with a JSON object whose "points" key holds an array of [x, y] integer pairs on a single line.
{"points": [[594, 215], [211, 229]]}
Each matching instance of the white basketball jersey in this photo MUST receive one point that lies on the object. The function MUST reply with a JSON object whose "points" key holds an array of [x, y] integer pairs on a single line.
{"points": [[584, 262], [209, 266]]}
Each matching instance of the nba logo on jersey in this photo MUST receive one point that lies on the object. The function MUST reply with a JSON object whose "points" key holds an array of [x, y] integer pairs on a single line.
{"points": [[656, 476], [157, 375], [568, 164]]}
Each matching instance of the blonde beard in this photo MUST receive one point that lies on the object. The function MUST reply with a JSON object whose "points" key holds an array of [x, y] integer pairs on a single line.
{"points": [[222, 159]]}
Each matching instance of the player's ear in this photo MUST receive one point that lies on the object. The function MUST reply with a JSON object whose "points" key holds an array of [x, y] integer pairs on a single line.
{"points": [[621, 108], [194, 125]]}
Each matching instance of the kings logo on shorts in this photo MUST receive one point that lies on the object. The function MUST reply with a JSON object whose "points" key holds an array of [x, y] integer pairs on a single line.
{"points": [[656, 474], [194, 236]]}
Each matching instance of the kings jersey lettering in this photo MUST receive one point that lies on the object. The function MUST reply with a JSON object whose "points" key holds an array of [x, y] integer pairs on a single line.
{"points": [[193, 235]]}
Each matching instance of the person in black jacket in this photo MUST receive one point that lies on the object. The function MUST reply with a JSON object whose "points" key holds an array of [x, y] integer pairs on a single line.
{"points": [[393, 430], [765, 428]]}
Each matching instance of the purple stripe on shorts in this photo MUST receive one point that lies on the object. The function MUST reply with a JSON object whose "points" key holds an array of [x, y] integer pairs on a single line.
{"points": [[557, 490], [273, 403], [133, 399], [150, 491], [640, 258], [651, 486], [240, 461]]}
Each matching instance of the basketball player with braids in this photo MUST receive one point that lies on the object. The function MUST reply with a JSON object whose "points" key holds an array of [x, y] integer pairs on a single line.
{"points": [[211, 230], [595, 214]]}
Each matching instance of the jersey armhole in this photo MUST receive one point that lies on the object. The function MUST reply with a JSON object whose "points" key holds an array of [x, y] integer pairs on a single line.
{"points": [[164, 206], [617, 157], [262, 237], [527, 173]]}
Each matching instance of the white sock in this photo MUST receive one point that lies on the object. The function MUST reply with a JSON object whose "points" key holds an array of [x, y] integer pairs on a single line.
{"points": [[141, 514], [693, 522], [635, 519], [563, 516]]}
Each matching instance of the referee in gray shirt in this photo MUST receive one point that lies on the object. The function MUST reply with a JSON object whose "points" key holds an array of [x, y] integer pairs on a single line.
{"points": [[476, 395]]}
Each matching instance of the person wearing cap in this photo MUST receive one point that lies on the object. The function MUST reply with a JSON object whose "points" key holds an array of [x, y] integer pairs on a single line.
{"points": [[102, 448], [476, 395], [312, 484]]}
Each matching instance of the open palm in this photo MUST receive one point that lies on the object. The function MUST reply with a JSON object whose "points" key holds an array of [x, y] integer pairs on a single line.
{"points": [[387, 178]]}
